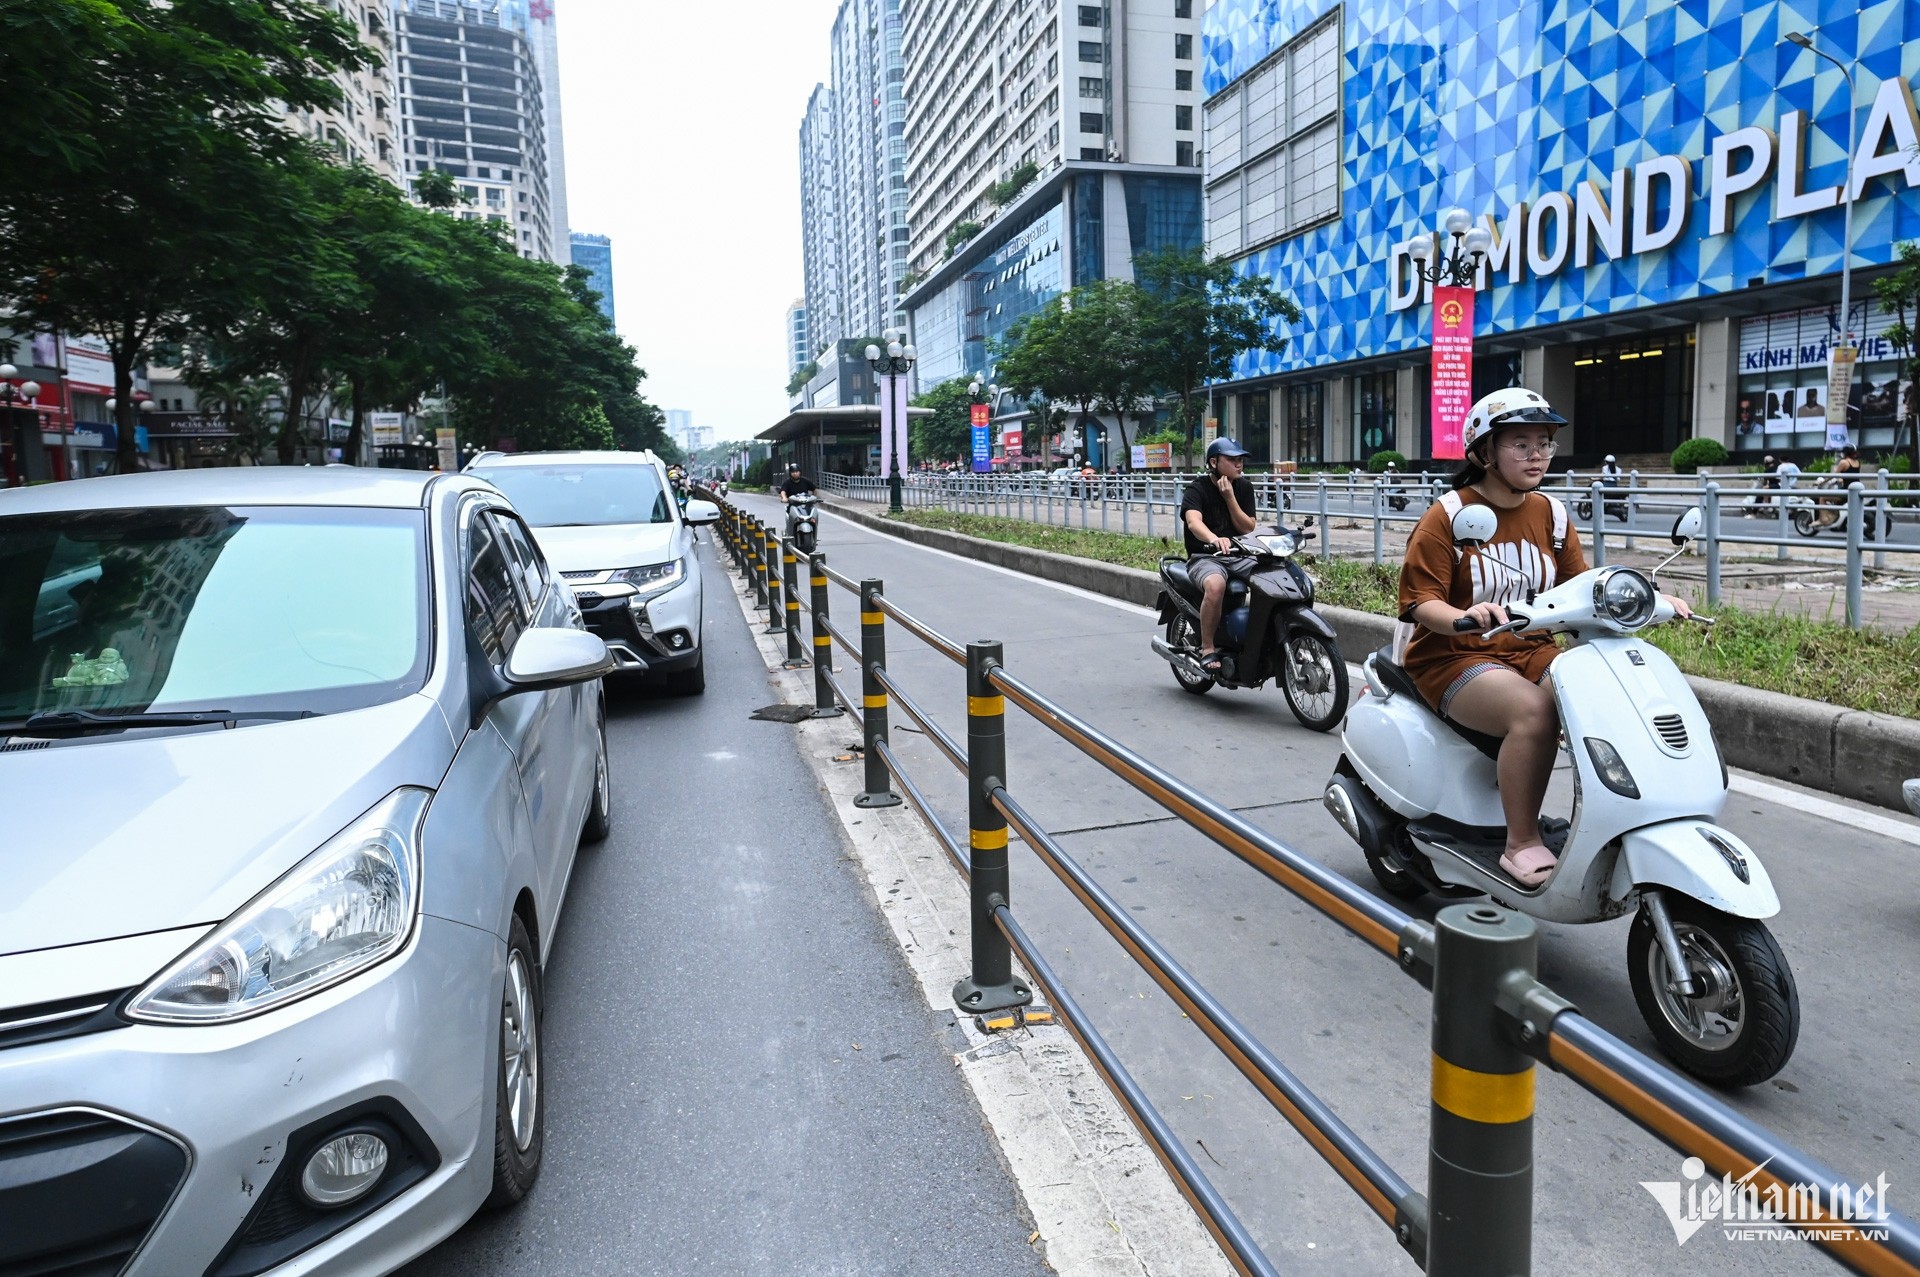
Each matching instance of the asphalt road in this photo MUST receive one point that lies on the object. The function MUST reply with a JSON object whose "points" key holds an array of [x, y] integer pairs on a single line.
{"points": [[1338, 1013], [742, 1075]]}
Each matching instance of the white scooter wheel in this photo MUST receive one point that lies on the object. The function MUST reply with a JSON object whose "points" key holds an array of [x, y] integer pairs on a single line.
{"points": [[1740, 1027]]}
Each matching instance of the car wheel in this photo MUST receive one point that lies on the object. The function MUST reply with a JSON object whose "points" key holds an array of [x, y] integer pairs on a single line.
{"points": [[519, 1116], [600, 811], [689, 682]]}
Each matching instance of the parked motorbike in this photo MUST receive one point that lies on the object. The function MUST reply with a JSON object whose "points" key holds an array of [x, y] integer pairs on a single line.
{"points": [[1806, 511], [1268, 629], [1616, 507], [1394, 490], [1420, 796], [803, 521]]}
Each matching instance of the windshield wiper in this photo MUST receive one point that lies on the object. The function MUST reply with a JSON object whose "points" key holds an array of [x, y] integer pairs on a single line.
{"points": [[63, 721]]}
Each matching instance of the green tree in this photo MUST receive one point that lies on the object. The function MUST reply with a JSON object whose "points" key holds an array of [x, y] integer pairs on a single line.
{"points": [[1899, 295], [1081, 352], [141, 218], [1198, 315], [948, 434]]}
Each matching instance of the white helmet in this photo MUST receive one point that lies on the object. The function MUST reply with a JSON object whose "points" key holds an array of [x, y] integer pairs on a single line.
{"points": [[1609, 458], [1514, 406]]}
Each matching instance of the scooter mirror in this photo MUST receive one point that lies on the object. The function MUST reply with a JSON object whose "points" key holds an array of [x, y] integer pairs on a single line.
{"points": [[1687, 526], [1474, 525]]}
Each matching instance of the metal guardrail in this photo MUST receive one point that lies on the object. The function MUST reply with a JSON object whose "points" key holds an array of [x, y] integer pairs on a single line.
{"points": [[1733, 512], [1493, 1019]]}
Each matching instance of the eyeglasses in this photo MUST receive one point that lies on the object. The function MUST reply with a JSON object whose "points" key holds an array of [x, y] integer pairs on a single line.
{"points": [[1524, 450]]}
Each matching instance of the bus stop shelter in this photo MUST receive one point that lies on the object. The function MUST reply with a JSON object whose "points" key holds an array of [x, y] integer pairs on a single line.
{"points": [[840, 440]]}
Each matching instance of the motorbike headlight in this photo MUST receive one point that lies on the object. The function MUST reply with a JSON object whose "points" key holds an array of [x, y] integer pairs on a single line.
{"points": [[347, 907], [654, 578], [805, 525], [1611, 768], [1625, 597], [1281, 545]]}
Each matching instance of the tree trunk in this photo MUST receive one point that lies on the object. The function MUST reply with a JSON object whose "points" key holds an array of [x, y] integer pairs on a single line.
{"points": [[124, 346], [351, 452], [292, 415]]}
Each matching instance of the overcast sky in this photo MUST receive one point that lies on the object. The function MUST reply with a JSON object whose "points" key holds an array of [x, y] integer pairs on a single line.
{"points": [[682, 136]]}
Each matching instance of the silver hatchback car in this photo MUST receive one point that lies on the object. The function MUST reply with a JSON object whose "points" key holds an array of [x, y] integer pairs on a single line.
{"points": [[293, 767]]}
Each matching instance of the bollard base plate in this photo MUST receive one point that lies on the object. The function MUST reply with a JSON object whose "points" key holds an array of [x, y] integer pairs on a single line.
{"points": [[885, 798], [774, 629], [796, 663], [832, 711], [974, 999]]}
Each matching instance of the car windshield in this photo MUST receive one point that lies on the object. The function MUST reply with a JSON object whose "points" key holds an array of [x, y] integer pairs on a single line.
{"points": [[565, 496], [282, 608]]}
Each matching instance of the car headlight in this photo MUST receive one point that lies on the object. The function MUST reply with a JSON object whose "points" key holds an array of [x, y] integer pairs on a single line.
{"points": [[1624, 596], [348, 906], [654, 578]]}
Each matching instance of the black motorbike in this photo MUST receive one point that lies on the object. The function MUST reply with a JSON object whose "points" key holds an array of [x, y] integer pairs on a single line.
{"points": [[803, 521], [1268, 629]]}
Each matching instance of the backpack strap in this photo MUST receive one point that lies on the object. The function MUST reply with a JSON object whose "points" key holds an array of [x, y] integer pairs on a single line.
{"points": [[1559, 522], [1403, 631]]}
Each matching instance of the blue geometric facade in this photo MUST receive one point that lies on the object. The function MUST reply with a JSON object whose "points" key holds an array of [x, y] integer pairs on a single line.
{"points": [[1486, 103]]}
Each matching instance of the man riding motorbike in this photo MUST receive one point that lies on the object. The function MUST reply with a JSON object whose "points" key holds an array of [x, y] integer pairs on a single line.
{"points": [[796, 483], [1496, 686], [1216, 507]]}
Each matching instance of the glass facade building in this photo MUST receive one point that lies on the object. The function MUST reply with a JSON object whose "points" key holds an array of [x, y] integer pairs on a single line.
{"points": [[1663, 183], [595, 253]]}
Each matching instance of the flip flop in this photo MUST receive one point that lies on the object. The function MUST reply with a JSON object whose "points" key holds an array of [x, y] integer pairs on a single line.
{"points": [[1211, 662], [1530, 866]]}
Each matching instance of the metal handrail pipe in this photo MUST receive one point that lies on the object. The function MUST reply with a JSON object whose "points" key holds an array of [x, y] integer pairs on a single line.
{"points": [[948, 843], [1235, 1242], [926, 633], [954, 751], [844, 581], [850, 703], [840, 637], [1694, 1122], [1367, 916], [1365, 1171]]}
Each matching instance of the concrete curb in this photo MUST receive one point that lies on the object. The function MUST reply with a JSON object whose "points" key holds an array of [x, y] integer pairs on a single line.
{"points": [[1848, 752]]}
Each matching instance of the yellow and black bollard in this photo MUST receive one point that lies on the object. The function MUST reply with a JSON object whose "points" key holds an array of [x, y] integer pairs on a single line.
{"points": [[790, 589], [991, 987], [824, 706], [873, 698], [770, 563], [1480, 1148]]}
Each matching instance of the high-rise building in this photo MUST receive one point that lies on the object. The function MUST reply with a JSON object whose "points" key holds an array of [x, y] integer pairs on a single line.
{"points": [[1048, 146], [475, 106], [993, 86], [363, 128], [595, 253], [545, 39], [798, 351], [853, 179]]}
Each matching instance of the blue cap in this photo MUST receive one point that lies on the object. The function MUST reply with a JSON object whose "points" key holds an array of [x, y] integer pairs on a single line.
{"points": [[1224, 447]]}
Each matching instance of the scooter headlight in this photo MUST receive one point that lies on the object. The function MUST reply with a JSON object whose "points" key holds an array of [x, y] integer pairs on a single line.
{"points": [[1611, 768], [1624, 597], [1281, 545]]}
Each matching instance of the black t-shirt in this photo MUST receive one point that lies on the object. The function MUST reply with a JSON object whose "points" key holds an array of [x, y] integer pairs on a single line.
{"points": [[794, 486], [1203, 496]]}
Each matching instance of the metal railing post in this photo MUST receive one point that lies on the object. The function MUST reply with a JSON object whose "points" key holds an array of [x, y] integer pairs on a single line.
{"points": [[824, 705], [790, 591], [1633, 482], [1599, 491], [1379, 528], [991, 987], [1326, 525], [1856, 505], [770, 555], [1883, 522], [873, 697], [1710, 540], [1480, 1146]]}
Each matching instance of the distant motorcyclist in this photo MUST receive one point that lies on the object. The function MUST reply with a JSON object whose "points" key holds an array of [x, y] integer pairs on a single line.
{"points": [[1612, 475], [1216, 507], [796, 483]]}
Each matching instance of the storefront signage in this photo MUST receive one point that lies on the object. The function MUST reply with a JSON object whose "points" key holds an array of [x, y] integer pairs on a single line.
{"points": [[1452, 368], [1010, 444], [89, 365], [389, 428], [1647, 206], [1799, 338], [1153, 456], [982, 438], [448, 443]]}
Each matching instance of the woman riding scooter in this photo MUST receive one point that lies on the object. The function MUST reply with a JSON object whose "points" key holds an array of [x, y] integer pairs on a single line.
{"points": [[1498, 686]]}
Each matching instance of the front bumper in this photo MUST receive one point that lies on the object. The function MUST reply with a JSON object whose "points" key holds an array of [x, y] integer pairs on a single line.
{"points": [[662, 636], [202, 1116]]}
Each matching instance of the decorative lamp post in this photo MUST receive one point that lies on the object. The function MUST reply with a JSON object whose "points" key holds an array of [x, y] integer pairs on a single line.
{"points": [[1461, 266], [982, 391], [12, 396], [1846, 193], [889, 365]]}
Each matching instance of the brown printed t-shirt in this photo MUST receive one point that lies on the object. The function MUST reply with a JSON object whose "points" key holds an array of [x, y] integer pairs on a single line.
{"points": [[1524, 544]]}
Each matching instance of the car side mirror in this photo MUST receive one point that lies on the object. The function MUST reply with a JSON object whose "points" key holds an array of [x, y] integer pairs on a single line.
{"points": [[552, 656], [699, 512], [1475, 525], [1687, 526]]}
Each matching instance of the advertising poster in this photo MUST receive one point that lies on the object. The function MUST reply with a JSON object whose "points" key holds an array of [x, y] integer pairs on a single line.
{"points": [[1139, 457], [389, 428], [982, 439], [1159, 456], [89, 365], [1839, 384], [1779, 416], [1010, 442], [448, 442], [1452, 368]]}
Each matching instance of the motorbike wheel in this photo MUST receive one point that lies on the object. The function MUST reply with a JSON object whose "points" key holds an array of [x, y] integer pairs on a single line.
{"points": [[1179, 635], [1583, 509], [1396, 882], [1742, 1028], [1803, 522], [1314, 680], [1398, 503], [804, 543]]}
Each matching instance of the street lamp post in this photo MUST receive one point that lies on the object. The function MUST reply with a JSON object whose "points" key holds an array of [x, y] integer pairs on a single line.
{"points": [[11, 395], [1460, 268], [889, 365], [983, 391], [1846, 193]]}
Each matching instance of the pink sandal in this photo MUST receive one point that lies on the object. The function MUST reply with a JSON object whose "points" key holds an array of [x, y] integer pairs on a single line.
{"points": [[1530, 866]]}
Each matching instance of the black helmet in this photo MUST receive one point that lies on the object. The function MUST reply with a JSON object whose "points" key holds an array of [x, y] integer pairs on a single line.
{"points": [[1224, 447]]}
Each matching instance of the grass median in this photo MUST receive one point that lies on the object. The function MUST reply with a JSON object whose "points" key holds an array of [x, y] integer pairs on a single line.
{"points": [[1775, 651]]}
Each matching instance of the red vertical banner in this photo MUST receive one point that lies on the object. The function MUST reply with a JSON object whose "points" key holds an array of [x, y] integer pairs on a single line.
{"points": [[1452, 368]]}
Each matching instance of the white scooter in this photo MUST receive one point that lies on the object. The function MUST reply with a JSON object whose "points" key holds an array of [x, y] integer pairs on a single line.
{"points": [[1419, 795]]}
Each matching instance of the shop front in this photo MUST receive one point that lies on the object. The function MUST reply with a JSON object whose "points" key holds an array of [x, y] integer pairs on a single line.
{"points": [[1632, 396], [1780, 403]]}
